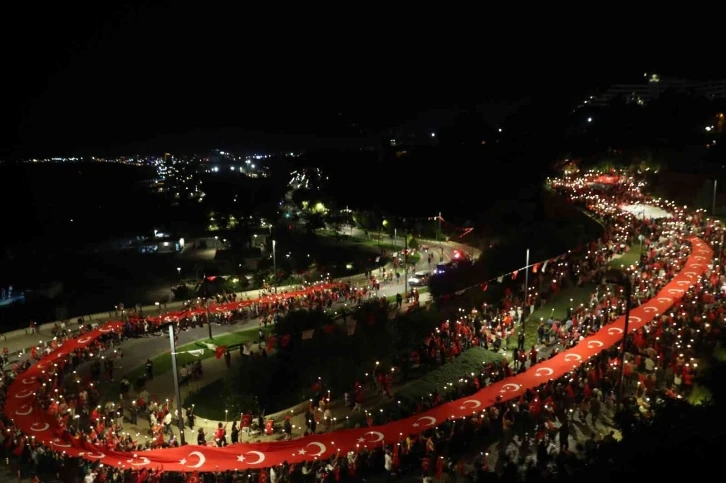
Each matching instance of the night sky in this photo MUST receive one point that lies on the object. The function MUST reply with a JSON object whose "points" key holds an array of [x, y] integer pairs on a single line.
{"points": [[108, 79]]}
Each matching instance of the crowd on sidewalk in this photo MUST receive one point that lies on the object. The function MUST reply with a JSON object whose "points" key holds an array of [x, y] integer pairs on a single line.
{"points": [[659, 365]]}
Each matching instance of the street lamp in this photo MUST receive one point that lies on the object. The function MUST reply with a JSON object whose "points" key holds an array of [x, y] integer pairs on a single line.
{"points": [[405, 266], [177, 390], [619, 278], [206, 303], [274, 265], [713, 203], [383, 225]]}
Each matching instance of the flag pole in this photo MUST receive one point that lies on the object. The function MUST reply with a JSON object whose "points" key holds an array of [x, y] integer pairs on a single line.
{"points": [[180, 413], [526, 290]]}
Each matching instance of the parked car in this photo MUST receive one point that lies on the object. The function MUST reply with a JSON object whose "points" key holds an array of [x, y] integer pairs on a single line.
{"points": [[419, 279]]}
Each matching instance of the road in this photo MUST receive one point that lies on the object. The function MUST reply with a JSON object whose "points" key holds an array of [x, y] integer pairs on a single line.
{"points": [[136, 351], [24, 342]]}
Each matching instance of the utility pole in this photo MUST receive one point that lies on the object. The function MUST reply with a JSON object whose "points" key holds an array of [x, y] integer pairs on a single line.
{"points": [[437, 235], [274, 265], [628, 290], [205, 281], [179, 411], [526, 290], [405, 266], [713, 203], [209, 317]]}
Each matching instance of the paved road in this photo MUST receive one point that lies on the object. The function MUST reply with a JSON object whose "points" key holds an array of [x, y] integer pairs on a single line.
{"points": [[136, 351], [21, 343]]}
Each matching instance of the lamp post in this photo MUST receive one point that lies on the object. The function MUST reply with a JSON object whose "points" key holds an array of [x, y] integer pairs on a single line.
{"points": [[206, 303], [713, 203], [274, 265], [624, 280], [439, 220], [405, 266], [526, 290], [177, 390]]}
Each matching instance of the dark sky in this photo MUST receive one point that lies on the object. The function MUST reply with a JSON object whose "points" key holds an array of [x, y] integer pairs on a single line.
{"points": [[106, 77]]}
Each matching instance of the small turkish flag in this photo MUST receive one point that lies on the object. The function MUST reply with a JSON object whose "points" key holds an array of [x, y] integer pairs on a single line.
{"points": [[193, 478], [220, 351]]}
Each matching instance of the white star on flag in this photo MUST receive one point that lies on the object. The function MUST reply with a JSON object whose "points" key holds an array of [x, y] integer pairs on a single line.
{"points": [[301, 451], [361, 440], [415, 425], [462, 407], [182, 461], [241, 458]]}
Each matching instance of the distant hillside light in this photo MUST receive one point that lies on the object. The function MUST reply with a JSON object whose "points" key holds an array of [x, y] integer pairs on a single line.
{"points": [[433, 134], [589, 119], [500, 129]]}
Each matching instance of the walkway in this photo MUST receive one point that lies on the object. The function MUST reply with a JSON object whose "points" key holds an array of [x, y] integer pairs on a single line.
{"points": [[214, 369]]}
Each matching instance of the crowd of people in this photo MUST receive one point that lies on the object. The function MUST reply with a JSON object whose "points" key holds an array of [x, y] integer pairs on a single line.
{"points": [[533, 432]]}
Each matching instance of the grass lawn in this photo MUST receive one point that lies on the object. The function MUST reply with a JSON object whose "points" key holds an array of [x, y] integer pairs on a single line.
{"points": [[461, 367], [720, 353], [557, 308], [629, 258], [699, 394], [385, 243], [162, 363], [205, 405]]}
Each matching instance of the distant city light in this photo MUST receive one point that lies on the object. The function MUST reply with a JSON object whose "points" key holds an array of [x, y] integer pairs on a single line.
{"points": [[589, 119], [500, 129], [433, 134]]}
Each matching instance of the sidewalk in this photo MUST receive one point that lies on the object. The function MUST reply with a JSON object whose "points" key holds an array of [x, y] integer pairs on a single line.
{"points": [[17, 341]]}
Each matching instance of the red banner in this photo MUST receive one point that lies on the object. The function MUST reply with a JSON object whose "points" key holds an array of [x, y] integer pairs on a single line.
{"points": [[21, 405], [606, 179], [174, 316]]}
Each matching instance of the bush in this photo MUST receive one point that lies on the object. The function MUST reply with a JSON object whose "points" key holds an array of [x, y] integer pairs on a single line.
{"points": [[331, 357], [236, 284], [413, 244], [183, 292], [238, 400], [469, 362]]}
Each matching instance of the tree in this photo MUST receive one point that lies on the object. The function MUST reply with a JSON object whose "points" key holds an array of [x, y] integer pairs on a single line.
{"points": [[241, 235], [335, 222], [413, 244], [313, 221], [298, 321], [368, 221]]}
